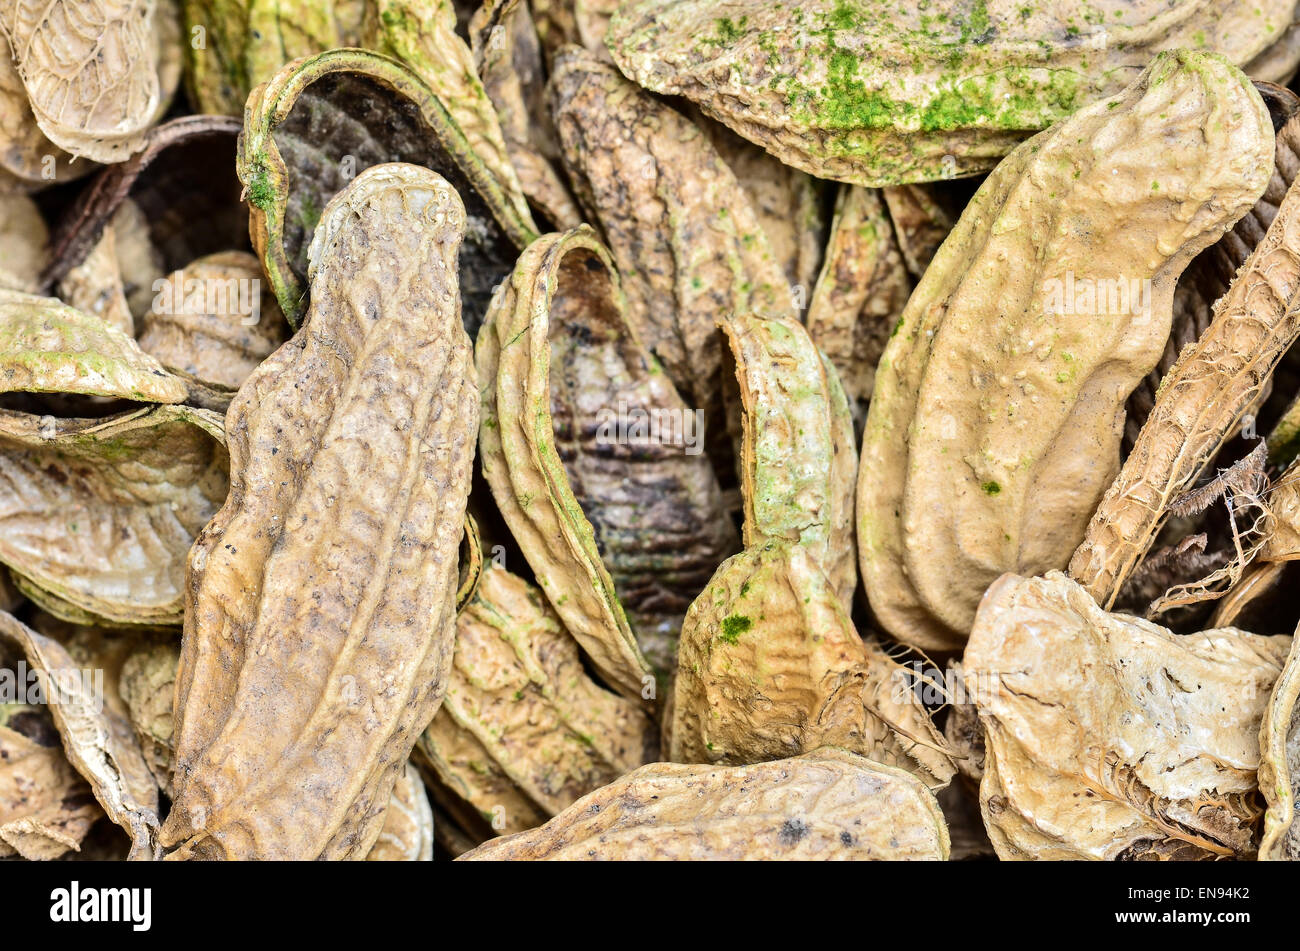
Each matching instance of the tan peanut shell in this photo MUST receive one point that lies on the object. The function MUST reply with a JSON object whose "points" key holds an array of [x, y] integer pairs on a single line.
{"points": [[770, 663], [1283, 542], [621, 523], [23, 240], [1200, 404], [826, 804], [175, 200], [1107, 736], [680, 228], [880, 94], [479, 797], [28, 160], [92, 72], [106, 652], [95, 285], [797, 456], [407, 835], [139, 262], [321, 599], [46, 808], [921, 222], [1279, 764], [1277, 62], [508, 56], [787, 202], [302, 142], [997, 413], [96, 738], [215, 319], [101, 513], [147, 686], [523, 731], [48, 347], [860, 293]]}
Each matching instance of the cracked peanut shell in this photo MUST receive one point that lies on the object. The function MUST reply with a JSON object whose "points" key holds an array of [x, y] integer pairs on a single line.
{"points": [[1109, 737], [595, 461], [323, 119], [770, 663]]}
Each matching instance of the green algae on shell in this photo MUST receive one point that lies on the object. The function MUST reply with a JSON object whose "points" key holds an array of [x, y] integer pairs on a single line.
{"points": [[877, 93], [798, 454], [48, 347]]}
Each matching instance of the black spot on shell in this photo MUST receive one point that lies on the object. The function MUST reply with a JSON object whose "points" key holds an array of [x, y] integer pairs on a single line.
{"points": [[792, 830]]}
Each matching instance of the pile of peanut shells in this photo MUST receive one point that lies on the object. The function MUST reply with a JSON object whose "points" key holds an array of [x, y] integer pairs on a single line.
{"points": [[680, 429]]}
